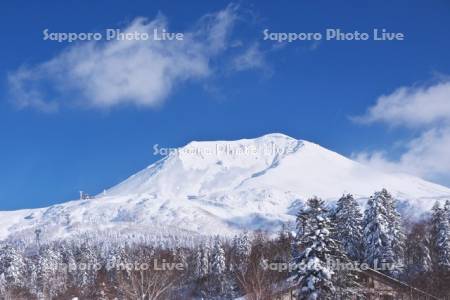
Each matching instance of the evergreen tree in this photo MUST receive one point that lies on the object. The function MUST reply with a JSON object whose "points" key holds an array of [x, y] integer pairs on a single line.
{"points": [[242, 245], [50, 276], [348, 220], [218, 265], [3, 284], [384, 238], [242, 248], [376, 230], [441, 237], [424, 256], [396, 232], [198, 262], [316, 249], [12, 267], [447, 209], [202, 260]]}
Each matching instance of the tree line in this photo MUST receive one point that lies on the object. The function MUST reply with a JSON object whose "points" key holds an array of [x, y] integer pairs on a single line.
{"points": [[254, 264]]}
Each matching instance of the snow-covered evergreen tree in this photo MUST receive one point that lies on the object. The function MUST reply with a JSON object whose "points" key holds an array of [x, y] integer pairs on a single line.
{"points": [[51, 276], [218, 265], [348, 220], [376, 239], [447, 209], [384, 239], [316, 250], [397, 235], [202, 260], [447, 206], [3, 284], [198, 262], [12, 267], [441, 236], [242, 245], [425, 264], [242, 248]]}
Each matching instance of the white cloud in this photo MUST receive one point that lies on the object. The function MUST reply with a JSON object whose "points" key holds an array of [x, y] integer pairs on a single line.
{"points": [[252, 58], [412, 106], [107, 74], [426, 109], [426, 156], [25, 94]]}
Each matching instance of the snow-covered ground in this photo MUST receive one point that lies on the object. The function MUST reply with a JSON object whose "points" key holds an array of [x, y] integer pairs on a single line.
{"points": [[221, 188]]}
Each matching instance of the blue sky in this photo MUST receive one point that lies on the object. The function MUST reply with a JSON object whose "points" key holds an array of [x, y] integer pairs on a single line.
{"points": [[74, 116]]}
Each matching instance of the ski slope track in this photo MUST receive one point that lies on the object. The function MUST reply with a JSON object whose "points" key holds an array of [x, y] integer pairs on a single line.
{"points": [[222, 187]]}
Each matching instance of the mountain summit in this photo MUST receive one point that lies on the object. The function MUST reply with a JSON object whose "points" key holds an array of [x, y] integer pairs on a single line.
{"points": [[223, 187]]}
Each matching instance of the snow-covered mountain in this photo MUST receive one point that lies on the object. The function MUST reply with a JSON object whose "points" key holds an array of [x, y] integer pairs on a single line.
{"points": [[221, 188]]}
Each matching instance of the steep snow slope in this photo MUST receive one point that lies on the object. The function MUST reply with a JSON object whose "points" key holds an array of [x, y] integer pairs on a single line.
{"points": [[221, 188]]}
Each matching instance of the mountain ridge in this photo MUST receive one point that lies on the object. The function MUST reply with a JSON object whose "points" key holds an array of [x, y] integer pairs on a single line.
{"points": [[223, 187]]}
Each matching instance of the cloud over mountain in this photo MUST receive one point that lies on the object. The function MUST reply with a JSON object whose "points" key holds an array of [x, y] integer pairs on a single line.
{"points": [[424, 109]]}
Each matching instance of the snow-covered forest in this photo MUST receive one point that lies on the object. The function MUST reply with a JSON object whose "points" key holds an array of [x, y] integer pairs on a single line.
{"points": [[308, 257]]}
